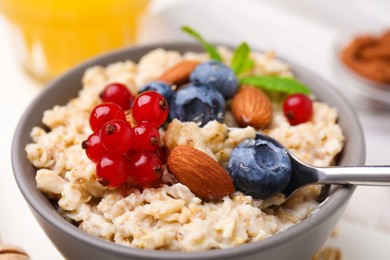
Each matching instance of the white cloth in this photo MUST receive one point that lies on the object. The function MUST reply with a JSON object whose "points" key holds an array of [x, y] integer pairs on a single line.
{"points": [[301, 30]]}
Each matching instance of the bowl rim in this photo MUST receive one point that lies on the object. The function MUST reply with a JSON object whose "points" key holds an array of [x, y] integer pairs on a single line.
{"points": [[38, 202]]}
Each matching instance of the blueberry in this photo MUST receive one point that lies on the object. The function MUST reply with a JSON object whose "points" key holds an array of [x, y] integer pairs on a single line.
{"points": [[160, 87], [200, 104], [216, 74], [259, 168]]}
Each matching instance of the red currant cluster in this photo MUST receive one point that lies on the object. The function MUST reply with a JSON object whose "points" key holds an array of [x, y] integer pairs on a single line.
{"points": [[123, 149]]}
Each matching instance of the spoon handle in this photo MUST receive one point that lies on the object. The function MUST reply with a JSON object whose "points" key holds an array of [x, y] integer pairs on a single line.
{"points": [[360, 175]]}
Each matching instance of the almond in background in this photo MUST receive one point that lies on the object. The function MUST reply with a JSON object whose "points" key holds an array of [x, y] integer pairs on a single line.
{"points": [[179, 73]]}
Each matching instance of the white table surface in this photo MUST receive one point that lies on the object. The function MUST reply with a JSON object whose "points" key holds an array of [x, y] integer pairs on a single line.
{"points": [[301, 30]]}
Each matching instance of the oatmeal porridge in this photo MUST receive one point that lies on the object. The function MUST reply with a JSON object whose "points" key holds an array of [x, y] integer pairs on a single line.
{"points": [[166, 214]]}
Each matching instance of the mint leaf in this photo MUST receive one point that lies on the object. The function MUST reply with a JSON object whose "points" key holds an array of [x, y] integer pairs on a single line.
{"points": [[276, 83], [247, 66], [241, 61], [209, 48]]}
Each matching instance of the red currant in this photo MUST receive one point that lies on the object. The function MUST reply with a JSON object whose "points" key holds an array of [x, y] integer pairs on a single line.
{"points": [[112, 170], [150, 107], [117, 136], [297, 108], [119, 94], [161, 154], [146, 137], [145, 167], [93, 147], [103, 113], [130, 153]]}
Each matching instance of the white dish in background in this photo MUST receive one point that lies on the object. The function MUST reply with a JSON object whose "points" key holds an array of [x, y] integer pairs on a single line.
{"points": [[365, 91]]}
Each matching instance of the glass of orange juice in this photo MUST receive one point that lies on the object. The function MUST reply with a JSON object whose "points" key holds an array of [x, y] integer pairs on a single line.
{"points": [[50, 36]]}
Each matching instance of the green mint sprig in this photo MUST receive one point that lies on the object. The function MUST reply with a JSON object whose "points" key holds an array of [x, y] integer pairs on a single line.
{"points": [[208, 47], [276, 83], [241, 61]]}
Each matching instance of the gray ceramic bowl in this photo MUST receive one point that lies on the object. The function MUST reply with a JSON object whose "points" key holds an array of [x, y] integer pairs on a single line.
{"points": [[298, 242]]}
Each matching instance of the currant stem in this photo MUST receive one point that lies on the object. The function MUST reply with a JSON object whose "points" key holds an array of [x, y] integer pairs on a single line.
{"points": [[154, 140], [110, 129], [163, 104]]}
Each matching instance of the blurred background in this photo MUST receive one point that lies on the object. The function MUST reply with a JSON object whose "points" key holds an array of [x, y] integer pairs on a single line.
{"points": [[40, 39]]}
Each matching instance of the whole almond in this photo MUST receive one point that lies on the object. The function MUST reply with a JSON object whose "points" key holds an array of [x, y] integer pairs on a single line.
{"points": [[12, 252], [179, 74], [200, 173], [252, 107]]}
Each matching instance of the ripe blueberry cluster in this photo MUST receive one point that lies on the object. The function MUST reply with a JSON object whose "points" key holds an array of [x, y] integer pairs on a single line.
{"points": [[123, 149], [203, 98]]}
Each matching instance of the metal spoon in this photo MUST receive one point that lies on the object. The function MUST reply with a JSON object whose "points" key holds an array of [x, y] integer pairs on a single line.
{"points": [[304, 174]]}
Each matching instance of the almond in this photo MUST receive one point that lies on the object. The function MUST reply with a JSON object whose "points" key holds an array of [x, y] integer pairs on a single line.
{"points": [[252, 107], [12, 252], [179, 74], [200, 173]]}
